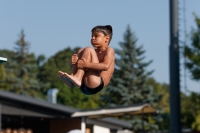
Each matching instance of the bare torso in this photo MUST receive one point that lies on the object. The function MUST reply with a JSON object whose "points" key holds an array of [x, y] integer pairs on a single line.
{"points": [[106, 75]]}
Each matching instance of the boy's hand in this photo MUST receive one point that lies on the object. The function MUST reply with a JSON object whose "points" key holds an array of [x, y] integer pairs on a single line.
{"points": [[81, 63], [74, 59]]}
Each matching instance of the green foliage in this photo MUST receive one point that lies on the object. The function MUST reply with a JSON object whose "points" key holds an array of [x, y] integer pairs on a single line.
{"points": [[196, 124], [190, 107], [192, 52], [21, 70], [49, 70], [163, 90], [163, 104], [188, 115], [2, 77], [129, 82], [6, 72]]}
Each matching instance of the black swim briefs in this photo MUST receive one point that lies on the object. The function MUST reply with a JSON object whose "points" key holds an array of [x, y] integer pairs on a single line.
{"points": [[89, 91]]}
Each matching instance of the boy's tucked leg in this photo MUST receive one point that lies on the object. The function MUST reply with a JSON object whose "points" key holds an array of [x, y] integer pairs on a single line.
{"points": [[64, 79], [76, 81], [88, 54]]}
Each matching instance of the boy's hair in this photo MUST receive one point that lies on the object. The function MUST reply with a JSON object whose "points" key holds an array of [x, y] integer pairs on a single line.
{"points": [[106, 30]]}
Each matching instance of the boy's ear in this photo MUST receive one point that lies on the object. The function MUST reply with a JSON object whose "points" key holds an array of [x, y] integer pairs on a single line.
{"points": [[107, 38]]}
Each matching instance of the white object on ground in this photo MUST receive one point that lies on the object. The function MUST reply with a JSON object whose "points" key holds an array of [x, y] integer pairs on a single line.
{"points": [[125, 131], [75, 131]]}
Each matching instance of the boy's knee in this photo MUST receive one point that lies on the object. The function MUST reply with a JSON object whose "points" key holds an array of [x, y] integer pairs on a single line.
{"points": [[81, 49], [89, 48]]}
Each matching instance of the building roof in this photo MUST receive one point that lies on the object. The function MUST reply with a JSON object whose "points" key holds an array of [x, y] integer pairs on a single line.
{"points": [[14, 104], [25, 103], [135, 109]]}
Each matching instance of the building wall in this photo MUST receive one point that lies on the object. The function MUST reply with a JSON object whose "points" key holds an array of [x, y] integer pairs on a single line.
{"points": [[64, 125], [104, 124]]}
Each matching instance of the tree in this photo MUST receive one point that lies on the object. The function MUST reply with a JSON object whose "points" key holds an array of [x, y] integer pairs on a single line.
{"points": [[163, 90], [22, 70], [192, 52], [2, 76], [193, 111], [163, 104], [188, 115], [128, 84], [196, 124], [5, 73]]}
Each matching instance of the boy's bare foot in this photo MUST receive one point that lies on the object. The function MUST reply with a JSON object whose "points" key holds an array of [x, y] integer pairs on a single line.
{"points": [[64, 79], [73, 79]]}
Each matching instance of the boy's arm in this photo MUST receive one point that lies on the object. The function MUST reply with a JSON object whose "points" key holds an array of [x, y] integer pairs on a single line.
{"points": [[102, 66]]}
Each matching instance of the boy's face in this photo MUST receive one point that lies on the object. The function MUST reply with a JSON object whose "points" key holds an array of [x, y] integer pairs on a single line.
{"points": [[99, 39]]}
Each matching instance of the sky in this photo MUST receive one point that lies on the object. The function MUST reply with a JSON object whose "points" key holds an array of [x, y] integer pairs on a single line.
{"points": [[51, 26]]}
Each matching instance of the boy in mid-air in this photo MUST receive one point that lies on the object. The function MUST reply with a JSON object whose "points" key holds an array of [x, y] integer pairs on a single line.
{"points": [[92, 68]]}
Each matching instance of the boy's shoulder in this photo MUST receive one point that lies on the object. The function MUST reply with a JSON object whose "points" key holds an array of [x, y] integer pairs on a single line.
{"points": [[110, 49]]}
